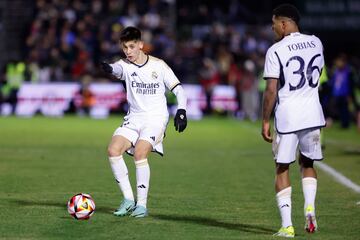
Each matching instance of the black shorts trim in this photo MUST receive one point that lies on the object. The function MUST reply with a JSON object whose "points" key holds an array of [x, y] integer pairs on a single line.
{"points": [[314, 128], [154, 151], [315, 160], [285, 163], [267, 78]]}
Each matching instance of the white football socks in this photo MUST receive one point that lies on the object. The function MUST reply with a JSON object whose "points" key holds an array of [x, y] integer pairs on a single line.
{"points": [[121, 175], [142, 181], [309, 186], [284, 204]]}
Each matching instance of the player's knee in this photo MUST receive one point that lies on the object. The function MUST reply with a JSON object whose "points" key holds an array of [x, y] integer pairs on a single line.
{"points": [[114, 152], [306, 162], [140, 154], [142, 149], [281, 167]]}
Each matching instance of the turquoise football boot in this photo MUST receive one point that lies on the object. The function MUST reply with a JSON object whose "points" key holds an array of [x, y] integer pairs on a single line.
{"points": [[139, 212], [126, 208]]}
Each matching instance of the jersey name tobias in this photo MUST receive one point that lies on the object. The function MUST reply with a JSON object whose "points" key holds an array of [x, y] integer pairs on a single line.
{"points": [[296, 61], [146, 85]]}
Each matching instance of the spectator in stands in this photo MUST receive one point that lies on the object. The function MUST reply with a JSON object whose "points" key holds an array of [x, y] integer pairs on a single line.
{"points": [[14, 77], [224, 60], [86, 97], [342, 84], [249, 91], [234, 77], [209, 78]]}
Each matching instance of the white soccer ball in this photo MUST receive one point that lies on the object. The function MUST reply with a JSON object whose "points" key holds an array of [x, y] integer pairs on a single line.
{"points": [[81, 206]]}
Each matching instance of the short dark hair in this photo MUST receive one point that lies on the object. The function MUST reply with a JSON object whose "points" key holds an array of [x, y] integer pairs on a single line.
{"points": [[287, 10], [130, 34]]}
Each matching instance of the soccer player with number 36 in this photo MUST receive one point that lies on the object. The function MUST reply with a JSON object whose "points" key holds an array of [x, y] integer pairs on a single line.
{"points": [[146, 79], [292, 69]]}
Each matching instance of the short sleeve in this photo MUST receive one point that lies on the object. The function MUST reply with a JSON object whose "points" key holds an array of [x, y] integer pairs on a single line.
{"points": [[322, 54], [170, 80], [272, 65]]}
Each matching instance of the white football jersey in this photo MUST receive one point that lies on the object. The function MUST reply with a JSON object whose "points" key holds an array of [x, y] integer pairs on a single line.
{"points": [[296, 61], [146, 85]]}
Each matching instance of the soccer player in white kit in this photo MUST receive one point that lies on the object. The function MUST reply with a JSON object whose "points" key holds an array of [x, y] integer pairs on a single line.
{"points": [[292, 69], [143, 129]]}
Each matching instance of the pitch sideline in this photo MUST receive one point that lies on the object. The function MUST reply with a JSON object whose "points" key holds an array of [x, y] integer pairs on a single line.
{"points": [[338, 176]]}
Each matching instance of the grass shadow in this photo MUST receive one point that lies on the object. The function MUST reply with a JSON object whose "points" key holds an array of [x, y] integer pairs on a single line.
{"points": [[352, 152], [22, 202], [215, 223], [164, 217]]}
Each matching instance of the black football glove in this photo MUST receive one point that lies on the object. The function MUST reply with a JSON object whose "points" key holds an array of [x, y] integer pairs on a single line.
{"points": [[180, 120], [106, 67]]}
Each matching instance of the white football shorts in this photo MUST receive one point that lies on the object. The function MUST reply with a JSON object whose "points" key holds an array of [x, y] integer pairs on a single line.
{"points": [[135, 128], [285, 146]]}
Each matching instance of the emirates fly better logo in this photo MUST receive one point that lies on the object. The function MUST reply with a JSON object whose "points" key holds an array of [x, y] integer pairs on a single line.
{"points": [[145, 88]]}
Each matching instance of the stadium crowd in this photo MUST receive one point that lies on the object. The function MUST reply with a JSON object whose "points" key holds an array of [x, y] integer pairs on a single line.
{"points": [[68, 38]]}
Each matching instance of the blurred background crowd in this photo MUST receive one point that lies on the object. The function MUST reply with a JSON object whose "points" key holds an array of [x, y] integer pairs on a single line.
{"points": [[208, 43]]}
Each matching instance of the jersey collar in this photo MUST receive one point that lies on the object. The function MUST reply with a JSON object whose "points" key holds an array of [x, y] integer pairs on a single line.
{"points": [[147, 59], [294, 34]]}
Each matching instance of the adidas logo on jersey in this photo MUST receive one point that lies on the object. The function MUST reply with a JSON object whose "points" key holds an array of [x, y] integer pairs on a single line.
{"points": [[134, 74], [153, 138]]}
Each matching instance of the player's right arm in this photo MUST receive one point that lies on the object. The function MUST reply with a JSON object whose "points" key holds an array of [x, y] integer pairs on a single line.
{"points": [[269, 100], [271, 75], [115, 69]]}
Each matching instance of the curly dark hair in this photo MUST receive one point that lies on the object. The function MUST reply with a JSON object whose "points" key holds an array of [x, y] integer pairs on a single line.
{"points": [[287, 10]]}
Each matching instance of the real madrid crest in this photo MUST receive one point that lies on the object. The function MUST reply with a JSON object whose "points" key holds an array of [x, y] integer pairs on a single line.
{"points": [[154, 75]]}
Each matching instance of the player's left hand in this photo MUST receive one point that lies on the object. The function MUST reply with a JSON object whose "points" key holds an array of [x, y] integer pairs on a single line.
{"points": [[180, 120]]}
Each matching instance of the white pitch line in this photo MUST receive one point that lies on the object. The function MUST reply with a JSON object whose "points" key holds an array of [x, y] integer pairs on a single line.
{"points": [[338, 177]]}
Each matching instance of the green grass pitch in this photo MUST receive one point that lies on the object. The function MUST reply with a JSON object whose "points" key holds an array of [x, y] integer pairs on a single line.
{"points": [[214, 182]]}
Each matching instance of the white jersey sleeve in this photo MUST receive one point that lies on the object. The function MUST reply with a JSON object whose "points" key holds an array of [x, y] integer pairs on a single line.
{"points": [[118, 70], [174, 85], [272, 64], [170, 80], [180, 96]]}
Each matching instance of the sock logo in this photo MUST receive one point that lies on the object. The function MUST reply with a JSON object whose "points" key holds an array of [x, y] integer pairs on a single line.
{"points": [[285, 205], [141, 186]]}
